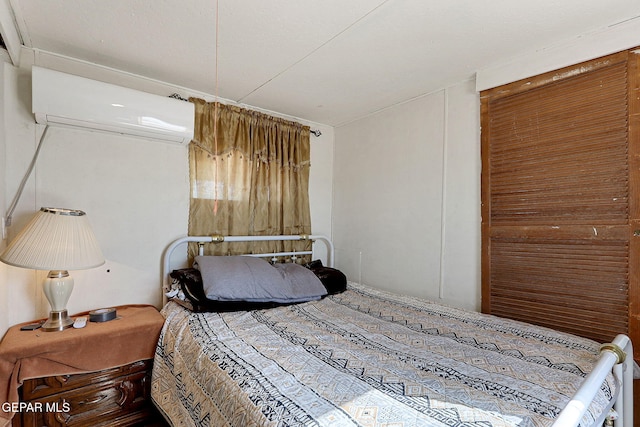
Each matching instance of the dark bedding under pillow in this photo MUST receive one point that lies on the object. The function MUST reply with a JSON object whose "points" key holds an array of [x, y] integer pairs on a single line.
{"points": [[334, 280], [190, 281]]}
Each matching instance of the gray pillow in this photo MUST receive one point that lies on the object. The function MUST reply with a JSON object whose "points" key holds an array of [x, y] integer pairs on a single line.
{"points": [[245, 278]]}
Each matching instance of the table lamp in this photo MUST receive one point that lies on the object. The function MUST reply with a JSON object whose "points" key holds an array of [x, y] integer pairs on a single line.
{"points": [[57, 240]]}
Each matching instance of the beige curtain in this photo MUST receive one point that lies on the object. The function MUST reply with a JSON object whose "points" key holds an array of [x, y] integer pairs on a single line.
{"points": [[252, 180]]}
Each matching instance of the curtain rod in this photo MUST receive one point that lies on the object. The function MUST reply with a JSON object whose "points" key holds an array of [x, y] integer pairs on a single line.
{"points": [[314, 132]]}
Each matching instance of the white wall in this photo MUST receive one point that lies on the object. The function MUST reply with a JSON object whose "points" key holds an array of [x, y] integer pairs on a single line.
{"points": [[321, 186], [416, 228], [407, 197], [4, 290], [135, 192]]}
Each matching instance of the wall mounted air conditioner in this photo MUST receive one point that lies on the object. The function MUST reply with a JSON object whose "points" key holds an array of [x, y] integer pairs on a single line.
{"points": [[66, 99]]}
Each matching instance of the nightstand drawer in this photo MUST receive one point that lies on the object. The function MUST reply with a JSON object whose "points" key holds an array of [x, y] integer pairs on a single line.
{"points": [[114, 397], [41, 387]]}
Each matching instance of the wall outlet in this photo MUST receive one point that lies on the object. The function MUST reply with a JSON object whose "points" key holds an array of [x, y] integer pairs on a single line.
{"points": [[4, 229]]}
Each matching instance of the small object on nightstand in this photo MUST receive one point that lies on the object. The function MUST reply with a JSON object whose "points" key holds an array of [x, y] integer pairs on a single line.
{"points": [[80, 322], [31, 326], [102, 315]]}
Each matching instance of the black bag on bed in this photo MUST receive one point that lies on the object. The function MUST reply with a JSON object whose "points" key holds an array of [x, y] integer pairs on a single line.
{"points": [[334, 280]]}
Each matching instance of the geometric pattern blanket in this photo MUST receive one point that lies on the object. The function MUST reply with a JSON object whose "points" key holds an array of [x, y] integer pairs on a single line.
{"points": [[366, 357]]}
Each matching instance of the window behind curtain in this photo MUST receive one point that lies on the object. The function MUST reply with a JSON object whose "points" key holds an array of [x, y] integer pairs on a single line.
{"points": [[252, 180]]}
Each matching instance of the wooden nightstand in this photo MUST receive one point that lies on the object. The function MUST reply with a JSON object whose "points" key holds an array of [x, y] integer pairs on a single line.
{"points": [[113, 397], [99, 375]]}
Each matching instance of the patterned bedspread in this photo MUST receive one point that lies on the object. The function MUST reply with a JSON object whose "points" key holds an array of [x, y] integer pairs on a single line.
{"points": [[365, 358]]}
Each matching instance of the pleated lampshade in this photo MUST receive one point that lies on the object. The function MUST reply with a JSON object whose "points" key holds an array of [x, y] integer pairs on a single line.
{"points": [[55, 239]]}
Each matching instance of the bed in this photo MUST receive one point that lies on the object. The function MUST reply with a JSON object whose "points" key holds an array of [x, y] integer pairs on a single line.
{"points": [[358, 356]]}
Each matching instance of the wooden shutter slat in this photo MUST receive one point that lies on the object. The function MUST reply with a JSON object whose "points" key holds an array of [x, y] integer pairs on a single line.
{"points": [[556, 200]]}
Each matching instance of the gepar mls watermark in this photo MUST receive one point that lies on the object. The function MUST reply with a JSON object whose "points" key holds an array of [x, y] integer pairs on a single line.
{"points": [[63, 406]]}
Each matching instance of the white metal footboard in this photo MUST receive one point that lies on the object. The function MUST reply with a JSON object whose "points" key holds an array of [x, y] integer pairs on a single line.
{"points": [[618, 356]]}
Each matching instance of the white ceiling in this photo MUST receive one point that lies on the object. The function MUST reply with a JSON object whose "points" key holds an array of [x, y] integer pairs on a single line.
{"points": [[326, 61]]}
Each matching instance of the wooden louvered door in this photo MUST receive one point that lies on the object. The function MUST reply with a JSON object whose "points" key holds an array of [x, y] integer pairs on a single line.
{"points": [[560, 179]]}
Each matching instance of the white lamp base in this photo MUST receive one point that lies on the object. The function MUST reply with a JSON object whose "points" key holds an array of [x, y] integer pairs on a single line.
{"points": [[57, 288]]}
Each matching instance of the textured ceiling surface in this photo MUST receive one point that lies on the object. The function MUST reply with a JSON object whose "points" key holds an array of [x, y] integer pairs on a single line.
{"points": [[329, 61]]}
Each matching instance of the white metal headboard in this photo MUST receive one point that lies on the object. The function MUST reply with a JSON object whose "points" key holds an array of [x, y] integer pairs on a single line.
{"points": [[166, 260]]}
